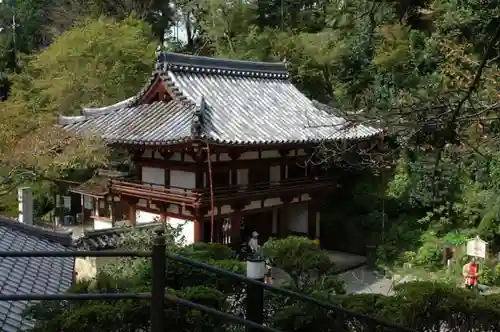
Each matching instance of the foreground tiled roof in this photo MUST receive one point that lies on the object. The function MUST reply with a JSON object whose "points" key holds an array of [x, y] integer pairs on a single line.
{"points": [[224, 101], [110, 238], [47, 275]]}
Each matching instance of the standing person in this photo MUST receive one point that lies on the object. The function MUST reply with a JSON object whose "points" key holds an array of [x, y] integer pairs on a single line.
{"points": [[253, 243], [470, 272]]}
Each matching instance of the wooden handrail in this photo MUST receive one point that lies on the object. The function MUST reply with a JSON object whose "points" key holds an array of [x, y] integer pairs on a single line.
{"points": [[266, 186], [192, 196]]}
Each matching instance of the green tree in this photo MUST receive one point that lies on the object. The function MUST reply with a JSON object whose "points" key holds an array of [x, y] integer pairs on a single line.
{"points": [[94, 64], [134, 275]]}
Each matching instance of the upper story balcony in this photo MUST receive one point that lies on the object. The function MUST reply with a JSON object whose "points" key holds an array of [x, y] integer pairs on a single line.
{"points": [[221, 195]]}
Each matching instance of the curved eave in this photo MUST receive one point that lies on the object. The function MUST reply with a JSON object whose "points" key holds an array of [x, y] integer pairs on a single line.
{"points": [[87, 111], [69, 120], [209, 140], [113, 141], [293, 142]]}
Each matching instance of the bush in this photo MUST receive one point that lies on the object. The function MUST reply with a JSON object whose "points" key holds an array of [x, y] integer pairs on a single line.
{"points": [[428, 306], [302, 259]]}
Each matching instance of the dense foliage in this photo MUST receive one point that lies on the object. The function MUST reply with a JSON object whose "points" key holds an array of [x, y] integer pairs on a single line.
{"points": [[426, 71], [200, 286], [428, 306]]}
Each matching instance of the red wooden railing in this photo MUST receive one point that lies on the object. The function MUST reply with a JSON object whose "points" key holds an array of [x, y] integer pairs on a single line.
{"points": [[154, 192], [221, 194], [266, 189]]}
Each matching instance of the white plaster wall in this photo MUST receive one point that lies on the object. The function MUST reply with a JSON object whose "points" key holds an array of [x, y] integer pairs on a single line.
{"points": [[187, 229], [143, 217], [275, 173], [182, 179], [153, 175], [272, 201], [176, 156], [253, 205], [270, 154], [297, 220], [301, 152], [148, 153], [225, 209], [242, 176], [102, 224], [249, 155]]}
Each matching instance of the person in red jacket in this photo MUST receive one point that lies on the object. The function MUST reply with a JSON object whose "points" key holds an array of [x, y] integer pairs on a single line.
{"points": [[470, 273]]}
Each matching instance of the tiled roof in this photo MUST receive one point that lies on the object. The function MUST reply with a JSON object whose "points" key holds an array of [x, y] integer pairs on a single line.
{"points": [[110, 238], [225, 101], [159, 122], [47, 275], [96, 187]]}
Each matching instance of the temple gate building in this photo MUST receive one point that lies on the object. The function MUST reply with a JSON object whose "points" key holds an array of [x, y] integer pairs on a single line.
{"points": [[219, 146]]}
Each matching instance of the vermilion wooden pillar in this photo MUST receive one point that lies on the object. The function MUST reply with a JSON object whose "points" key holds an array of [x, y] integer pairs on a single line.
{"points": [[199, 230], [132, 213]]}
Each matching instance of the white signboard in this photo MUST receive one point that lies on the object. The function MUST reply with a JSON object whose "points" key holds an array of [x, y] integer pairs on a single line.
{"points": [[476, 247]]}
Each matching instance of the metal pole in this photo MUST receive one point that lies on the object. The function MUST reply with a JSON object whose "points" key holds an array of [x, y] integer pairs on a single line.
{"points": [[158, 262], [256, 269]]}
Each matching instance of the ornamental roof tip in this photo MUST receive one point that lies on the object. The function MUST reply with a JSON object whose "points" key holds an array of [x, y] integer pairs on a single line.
{"points": [[68, 120], [94, 111], [168, 61], [89, 112], [198, 122]]}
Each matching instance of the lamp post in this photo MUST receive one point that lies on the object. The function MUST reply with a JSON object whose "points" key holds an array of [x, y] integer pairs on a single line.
{"points": [[256, 270]]}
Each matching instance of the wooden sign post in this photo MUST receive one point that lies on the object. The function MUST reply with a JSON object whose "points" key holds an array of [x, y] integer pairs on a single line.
{"points": [[476, 247]]}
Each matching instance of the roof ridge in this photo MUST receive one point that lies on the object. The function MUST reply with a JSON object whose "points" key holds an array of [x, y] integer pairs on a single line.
{"points": [[121, 229], [63, 238], [166, 61]]}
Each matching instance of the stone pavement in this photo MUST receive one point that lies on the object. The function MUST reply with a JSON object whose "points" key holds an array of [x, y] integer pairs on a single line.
{"points": [[357, 281], [364, 281]]}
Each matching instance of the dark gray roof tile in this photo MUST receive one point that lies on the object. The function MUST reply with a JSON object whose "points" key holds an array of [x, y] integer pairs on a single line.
{"points": [[262, 110], [110, 238], [25, 275], [153, 123], [226, 101]]}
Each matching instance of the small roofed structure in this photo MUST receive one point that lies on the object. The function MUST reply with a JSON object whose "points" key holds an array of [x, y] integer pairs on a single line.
{"points": [[221, 146]]}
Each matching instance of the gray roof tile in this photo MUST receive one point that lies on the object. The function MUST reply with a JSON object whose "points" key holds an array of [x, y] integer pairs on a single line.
{"points": [[262, 110], [110, 238], [235, 102], [25, 275], [158, 122]]}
